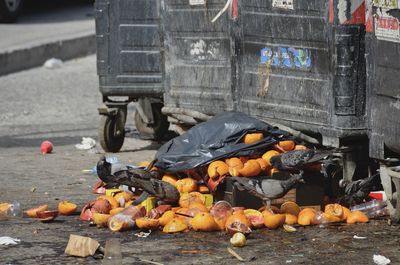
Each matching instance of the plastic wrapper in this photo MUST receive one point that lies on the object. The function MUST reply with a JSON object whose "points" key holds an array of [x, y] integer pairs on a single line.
{"points": [[220, 137]]}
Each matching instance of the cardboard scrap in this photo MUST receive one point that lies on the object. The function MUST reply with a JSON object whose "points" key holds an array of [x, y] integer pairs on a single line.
{"points": [[81, 246]]}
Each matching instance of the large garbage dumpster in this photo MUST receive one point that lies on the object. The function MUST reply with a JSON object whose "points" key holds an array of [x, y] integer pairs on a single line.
{"points": [[129, 65], [294, 63], [383, 67]]}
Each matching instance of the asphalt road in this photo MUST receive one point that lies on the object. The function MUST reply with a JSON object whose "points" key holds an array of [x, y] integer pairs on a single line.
{"points": [[60, 105], [47, 29], [44, 21]]}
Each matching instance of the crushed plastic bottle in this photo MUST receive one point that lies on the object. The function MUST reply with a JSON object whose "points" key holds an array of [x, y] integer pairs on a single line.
{"points": [[373, 208], [10, 210], [112, 252]]}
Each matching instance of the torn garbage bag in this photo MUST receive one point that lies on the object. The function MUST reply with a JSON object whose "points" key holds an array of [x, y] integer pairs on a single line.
{"points": [[218, 138]]}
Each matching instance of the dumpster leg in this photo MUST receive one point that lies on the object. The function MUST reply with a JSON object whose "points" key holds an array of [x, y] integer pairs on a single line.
{"points": [[150, 122], [349, 166]]}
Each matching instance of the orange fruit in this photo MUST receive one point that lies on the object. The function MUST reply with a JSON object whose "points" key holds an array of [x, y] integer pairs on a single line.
{"points": [[203, 189], [255, 217], [217, 169], [251, 138], [306, 216], [330, 218], [123, 197], [187, 199], [250, 169], [186, 185], [67, 208], [290, 207], [114, 203], [357, 217], [100, 219], [346, 213], [145, 164], [290, 219], [300, 147], [263, 164], [267, 156], [204, 222], [33, 211], [234, 162], [116, 210], [238, 217], [174, 226], [166, 217], [147, 223], [334, 209], [287, 145], [201, 207], [171, 179], [273, 221]]}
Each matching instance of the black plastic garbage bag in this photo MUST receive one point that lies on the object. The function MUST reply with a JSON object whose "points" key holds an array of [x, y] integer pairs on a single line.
{"points": [[220, 137]]}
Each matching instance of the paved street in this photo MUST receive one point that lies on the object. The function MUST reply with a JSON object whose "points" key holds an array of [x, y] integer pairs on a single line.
{"points": [[60, 105], [47, 29], [43, 21]]}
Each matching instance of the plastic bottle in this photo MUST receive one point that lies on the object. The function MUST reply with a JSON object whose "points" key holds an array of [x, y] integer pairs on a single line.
{"points": [[10, 210], [371, 208], [112, 252]]}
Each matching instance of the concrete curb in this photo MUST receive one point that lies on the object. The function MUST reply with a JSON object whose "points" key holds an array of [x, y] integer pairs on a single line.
{"points": [[25, 58]]}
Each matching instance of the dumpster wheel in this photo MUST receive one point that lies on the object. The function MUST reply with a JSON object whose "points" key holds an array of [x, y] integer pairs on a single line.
{"points": [[112, 132], [152, 131]]}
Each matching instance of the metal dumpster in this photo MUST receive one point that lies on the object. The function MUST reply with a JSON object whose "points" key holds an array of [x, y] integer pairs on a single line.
{"points": [[294, 63], [383, 68], [129, 65]]}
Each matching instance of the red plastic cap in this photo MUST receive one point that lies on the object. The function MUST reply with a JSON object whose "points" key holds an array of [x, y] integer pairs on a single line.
{"points": [[46, 147]]}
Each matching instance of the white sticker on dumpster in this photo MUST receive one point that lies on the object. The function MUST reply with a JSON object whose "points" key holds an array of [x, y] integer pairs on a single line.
{"points": [[285, 4], [390, 4], [386, 27], [197, 2]]}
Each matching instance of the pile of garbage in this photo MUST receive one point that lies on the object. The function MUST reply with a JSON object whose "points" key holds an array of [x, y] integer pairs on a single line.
{"points": [[175, 193]]}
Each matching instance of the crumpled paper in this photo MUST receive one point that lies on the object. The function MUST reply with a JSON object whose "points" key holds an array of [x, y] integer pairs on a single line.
{"points": [[6, 240], [381, 260], [86, 144]]}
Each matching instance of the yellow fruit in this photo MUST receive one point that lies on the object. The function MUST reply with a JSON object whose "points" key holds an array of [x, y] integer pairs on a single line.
{"points": [[101, 220], [166, 217], [187, 199], [238, 240], [174, 226], [147, 223], [116, 210]]}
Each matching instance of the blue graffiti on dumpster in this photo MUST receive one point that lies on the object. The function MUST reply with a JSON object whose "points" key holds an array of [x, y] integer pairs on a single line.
{"points": [[286, 57]]}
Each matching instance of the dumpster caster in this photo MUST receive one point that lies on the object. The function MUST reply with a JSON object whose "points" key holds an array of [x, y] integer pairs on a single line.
{"points": [[112, 131], [157, 129]]}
